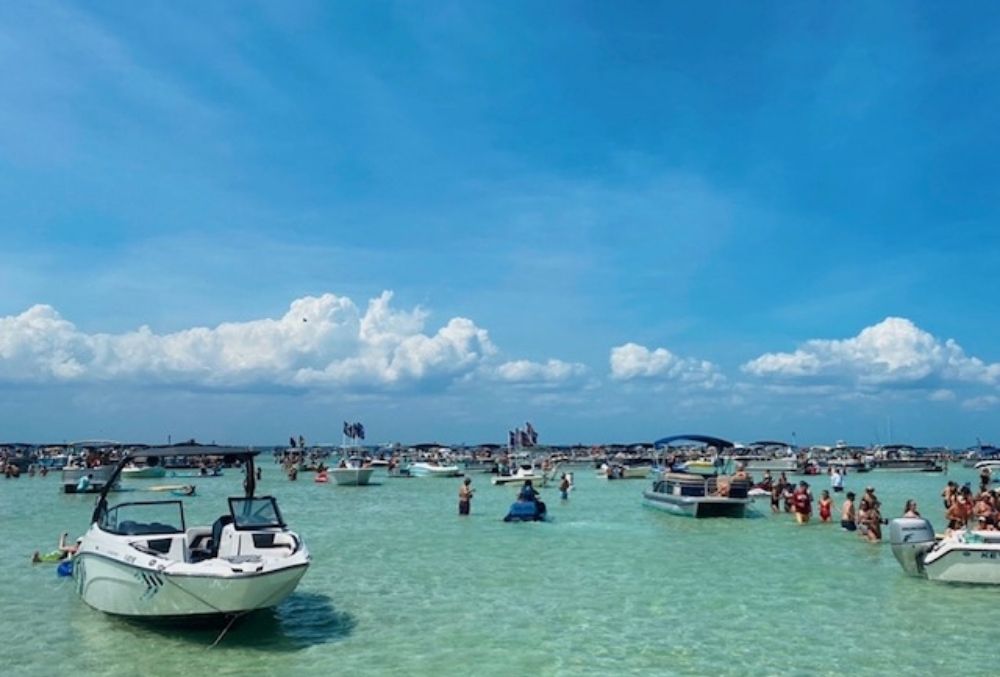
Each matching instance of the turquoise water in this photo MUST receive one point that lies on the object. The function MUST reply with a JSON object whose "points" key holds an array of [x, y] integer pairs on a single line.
{"points": [[401, 585]]}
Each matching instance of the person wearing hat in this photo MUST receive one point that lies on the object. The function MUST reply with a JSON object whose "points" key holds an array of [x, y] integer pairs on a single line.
{"points": [[465, 496]]}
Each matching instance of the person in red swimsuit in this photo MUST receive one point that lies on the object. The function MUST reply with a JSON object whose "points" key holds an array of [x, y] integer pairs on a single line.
{"points": [[825, 506]]}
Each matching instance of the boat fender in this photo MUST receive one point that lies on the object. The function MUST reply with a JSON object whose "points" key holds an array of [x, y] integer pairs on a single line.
{"points": [[65, 569]]}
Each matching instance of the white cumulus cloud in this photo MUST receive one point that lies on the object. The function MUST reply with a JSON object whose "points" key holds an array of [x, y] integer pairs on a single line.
{"points": [[320, 340], [633, 361], [550, 372], [894, 351]]}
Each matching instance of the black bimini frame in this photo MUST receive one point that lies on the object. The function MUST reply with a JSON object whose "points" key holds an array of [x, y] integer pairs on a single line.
{"points": [[245, 454]]}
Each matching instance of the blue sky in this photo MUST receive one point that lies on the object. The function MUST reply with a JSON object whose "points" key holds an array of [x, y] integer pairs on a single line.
{"points": [[618, 222]]}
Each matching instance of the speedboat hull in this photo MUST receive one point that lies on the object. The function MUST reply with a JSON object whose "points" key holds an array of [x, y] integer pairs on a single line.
{"points": [[521, 478], [148, 472], [964, 563], [116, 587], [961, 557], [427, 470], [352, 477]]}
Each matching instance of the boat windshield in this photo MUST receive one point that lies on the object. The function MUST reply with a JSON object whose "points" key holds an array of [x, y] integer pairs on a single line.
{"points": [[131, 519], [255, 512]]}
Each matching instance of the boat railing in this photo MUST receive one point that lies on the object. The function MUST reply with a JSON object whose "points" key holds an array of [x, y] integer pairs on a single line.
{"points": [[696, 485]]}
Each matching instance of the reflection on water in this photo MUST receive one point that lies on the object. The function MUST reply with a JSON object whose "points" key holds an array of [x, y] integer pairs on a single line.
{"points": [[305, 619]]}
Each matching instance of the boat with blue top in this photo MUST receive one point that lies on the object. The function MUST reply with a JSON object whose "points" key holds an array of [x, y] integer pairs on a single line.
{"points": [[695, 494]]}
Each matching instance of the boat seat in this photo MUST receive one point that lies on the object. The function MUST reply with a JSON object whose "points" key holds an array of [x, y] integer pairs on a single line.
{"points": [[206, 546], [217, 527]]}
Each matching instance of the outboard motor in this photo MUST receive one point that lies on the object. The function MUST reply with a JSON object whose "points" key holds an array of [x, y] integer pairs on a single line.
{"points": [[911, 538]]}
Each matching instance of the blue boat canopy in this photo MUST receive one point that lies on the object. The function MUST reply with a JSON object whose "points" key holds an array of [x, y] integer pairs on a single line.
{"points": [[704, 439]]}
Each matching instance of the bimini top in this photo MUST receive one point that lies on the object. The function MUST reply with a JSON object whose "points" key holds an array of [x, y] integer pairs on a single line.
{"points": [[716, 442]]}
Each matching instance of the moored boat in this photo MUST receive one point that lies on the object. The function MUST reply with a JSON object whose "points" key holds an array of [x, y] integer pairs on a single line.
{"points": [[141, 559], [903, 458], [144, 472], [521, 474], [352, 476], [962, 556], [97, 478], [424, 469], [699, 494]]}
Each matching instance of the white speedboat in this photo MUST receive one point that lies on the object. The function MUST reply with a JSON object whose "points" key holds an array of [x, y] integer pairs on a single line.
{"points": [[963, 556], [520, 475], [352, 476], [423, 469], [141, 559], [144, 472]]}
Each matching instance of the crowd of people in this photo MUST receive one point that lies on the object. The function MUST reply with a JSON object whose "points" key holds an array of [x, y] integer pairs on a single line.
{"points": [[965, 509], [863, 517]]}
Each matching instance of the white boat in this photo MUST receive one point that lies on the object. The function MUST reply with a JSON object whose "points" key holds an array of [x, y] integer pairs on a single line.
{"points": [[423, 469], [698, 496], [144, 472], [520, 475], [352, 476], [141, 559], [766, 455], [961, 557]]}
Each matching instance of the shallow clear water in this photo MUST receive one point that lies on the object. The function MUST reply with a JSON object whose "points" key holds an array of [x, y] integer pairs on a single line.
{"points": [[401, 585]]}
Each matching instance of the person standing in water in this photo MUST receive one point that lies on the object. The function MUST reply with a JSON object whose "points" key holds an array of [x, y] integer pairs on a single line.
{"points": [[564, 487], [465, 496], [836, 480], [802, 503], [825, 506], [848, 516]]}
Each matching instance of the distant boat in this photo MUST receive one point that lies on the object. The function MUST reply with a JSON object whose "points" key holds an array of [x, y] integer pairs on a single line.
{"points": [[422, 469], [902, 457], [520, 475], [144, 472], [698, 496], [700, 493], [353, 475], [98, 477]]}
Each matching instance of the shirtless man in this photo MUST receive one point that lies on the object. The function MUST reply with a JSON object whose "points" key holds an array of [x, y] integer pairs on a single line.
{"points": [[848, 517]]}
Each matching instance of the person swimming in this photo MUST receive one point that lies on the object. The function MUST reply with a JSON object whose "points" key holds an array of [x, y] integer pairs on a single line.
{"points": [[62, 552]]}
